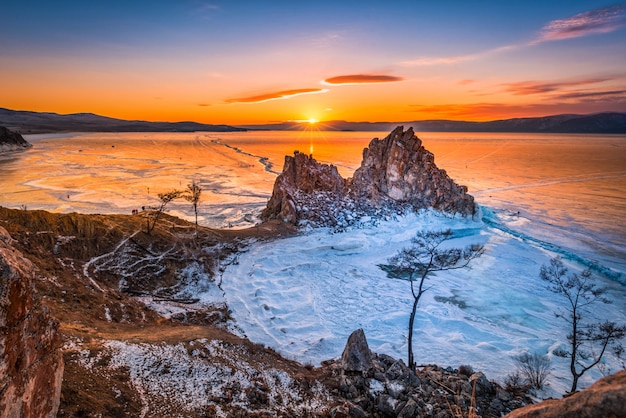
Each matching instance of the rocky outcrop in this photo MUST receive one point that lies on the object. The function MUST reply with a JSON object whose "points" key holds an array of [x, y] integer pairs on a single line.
{"points": [[397, 174], [31, 365], [302, 176], [377, 385], [605, 398], [400, 168], [12, 141]]}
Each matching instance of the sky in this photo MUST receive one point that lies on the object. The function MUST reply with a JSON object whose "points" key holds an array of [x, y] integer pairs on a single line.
{"points": [[251, 62]]}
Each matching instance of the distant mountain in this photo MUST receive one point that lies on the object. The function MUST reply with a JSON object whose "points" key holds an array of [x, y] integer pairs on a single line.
{"points": [[37, 122], [599, 123]]}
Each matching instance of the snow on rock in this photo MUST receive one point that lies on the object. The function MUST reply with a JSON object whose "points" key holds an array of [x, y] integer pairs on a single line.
{"points": [[397, 175]]}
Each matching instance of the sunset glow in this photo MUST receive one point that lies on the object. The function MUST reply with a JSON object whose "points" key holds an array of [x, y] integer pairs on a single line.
{"points": [[249, 62]]}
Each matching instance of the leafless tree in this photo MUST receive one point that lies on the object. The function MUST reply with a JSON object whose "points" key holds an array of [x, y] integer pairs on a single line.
{"points": [[154, 215], [418, 262], [535, 368], [192, 195], [588, 341]]}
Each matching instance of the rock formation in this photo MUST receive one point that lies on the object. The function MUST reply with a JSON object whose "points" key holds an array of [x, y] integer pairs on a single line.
{"points": [[31, 364], [605, 398], [400, 168], [397, 174], [12, 141]]}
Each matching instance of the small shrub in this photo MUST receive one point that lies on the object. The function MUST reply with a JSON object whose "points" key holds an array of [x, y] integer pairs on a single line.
{"points": [[466, 370], [514, 383], [535, 368]]}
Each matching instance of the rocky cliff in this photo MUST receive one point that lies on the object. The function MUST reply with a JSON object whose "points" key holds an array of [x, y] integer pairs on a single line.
{"points": [[397, 174], [12, 141], [31, 364]]}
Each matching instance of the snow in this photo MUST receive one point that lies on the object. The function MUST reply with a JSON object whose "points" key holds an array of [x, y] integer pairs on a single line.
{"points": [[304, 295], [172, 380]]}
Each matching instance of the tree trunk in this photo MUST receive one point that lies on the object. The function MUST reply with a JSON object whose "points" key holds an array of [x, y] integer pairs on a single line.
{"points": [[411, 359]]}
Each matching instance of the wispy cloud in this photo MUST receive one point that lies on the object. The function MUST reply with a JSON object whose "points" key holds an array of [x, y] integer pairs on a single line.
{"points": [[427, 61], [277, 95], [362, 79], [593, 95], [522, 88], [204, 104], [603, 20]]}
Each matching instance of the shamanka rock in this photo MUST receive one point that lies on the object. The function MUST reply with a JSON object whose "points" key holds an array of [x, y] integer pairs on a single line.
{"points": [[31, 363], [397, 174], [12, 141]]}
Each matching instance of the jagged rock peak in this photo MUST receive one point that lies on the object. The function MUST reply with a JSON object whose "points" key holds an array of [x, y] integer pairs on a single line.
{"points": [[12, 141], [400, 168], [31, 363]]}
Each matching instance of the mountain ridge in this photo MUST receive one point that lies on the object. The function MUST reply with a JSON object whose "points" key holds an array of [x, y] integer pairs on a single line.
{"points": [[29, 122]]}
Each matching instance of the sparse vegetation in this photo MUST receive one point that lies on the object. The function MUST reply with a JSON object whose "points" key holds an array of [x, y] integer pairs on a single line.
{"points": [[192, 195], [534, 368], [418, 262], [588, 341], [154, 215]]}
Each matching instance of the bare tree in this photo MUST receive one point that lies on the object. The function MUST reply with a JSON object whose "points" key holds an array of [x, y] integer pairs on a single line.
{"points": [[192, 195], [585, 339], [155, 214], [534, 367], [425, 257]]}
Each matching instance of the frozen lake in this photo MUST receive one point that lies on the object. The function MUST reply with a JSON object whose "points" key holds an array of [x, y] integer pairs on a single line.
{"points": [[541, 195]]}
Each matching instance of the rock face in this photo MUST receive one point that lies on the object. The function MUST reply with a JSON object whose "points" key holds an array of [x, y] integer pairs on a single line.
{"points": [[397, 174], [605, 398], [31, 364], [12, 141], [400, 168], [302, 177]]}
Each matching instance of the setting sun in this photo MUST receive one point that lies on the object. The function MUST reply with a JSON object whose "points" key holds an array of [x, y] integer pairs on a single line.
{"points": [[312, 121]]}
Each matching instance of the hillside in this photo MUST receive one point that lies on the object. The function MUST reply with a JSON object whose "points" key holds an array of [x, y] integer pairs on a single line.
{"points": [[37, 122]]}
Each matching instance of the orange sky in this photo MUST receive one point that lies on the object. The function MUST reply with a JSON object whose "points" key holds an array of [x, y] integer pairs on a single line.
{"points": [[245, 63]]}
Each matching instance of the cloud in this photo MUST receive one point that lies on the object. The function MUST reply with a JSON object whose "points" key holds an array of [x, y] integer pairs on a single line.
{"points": [[361, 79], [203, 104], [522, 88], [283, 94], [603, 20], [427, 61], [593, 95]]}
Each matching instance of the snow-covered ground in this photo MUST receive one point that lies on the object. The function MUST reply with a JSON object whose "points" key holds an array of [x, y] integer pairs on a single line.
{"points": [[304, 295]]}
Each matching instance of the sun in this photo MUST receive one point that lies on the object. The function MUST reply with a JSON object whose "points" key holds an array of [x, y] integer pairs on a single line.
{"points": [[312, 121]]}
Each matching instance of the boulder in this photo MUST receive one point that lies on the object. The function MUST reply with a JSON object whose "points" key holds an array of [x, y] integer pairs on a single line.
{"points": [[12, 141], [356, 356], [605, 398], [31, 363]]}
